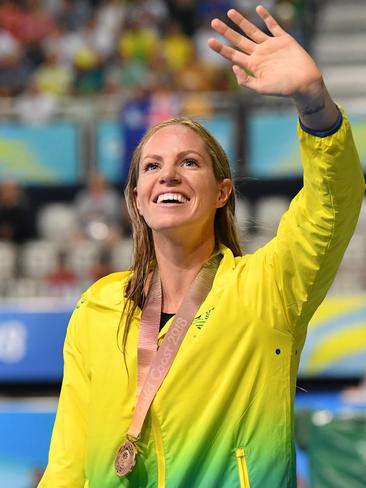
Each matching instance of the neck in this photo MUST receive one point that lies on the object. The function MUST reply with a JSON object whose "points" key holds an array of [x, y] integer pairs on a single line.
{"points": [[179, 263]]}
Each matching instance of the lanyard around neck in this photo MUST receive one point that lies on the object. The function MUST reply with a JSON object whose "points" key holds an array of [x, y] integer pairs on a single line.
{"points": [[153, 364]]}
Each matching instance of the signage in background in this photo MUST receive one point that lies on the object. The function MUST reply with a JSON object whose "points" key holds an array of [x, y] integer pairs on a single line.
{"points": [[31, 344], [110, 146], [273, 145], [31, 350], [44, 154], [335, 346], [51, 154], [110, 151]]}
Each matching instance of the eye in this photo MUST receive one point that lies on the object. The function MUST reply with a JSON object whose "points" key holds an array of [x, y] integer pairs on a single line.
{"points": [[150, 166], [190, 162]]}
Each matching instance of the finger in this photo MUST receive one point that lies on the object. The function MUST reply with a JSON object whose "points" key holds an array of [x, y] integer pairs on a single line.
{"points": [[251, 30], [228, 52], [238, 40], [243, 78], [241, 75], [273, 26]]}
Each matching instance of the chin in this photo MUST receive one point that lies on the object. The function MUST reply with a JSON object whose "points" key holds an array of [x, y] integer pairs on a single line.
{"points": [[168, 227], [171, 225]]}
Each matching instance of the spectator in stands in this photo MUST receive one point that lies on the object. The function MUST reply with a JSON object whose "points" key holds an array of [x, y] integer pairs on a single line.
{"points": [[99, 212], [88, 72], [126, 75], [35, 107], [195, 75], [73, 14], [133, 122], [164, 103], [109, 18], [207, 9], [216, 73], [111, 14], [248, 6], [138, 41], [53, 78], [10, 16], [8, 44], [15, 213], [14, 74], [176, 46], [34, 23], [184, 12], [96, 38], [62, 279], [103, 266], [148, 13], [64, 42], [33, 27]]}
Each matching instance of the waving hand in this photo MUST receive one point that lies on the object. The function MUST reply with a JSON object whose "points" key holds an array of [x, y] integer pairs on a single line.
{"points": [[274, 64]]}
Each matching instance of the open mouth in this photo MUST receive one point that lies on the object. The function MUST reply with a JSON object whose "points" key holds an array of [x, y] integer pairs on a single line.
{"points": [[172, 198]]}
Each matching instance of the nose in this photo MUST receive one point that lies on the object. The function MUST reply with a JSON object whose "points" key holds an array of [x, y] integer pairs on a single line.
{"points": [[169, 175]]}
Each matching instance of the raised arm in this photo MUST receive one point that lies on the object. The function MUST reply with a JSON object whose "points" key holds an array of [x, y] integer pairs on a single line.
{"points": [[302, 260], [276, 65]]}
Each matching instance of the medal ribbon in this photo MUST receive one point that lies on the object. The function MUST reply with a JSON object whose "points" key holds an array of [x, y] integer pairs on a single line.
{"points": [[153, 364], [149, 330]]}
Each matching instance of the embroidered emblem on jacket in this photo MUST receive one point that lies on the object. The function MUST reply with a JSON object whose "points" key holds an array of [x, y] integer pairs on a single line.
{"points": [[200, 320]]}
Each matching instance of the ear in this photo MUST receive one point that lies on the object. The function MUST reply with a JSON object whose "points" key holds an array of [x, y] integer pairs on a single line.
{"points": [[137, 200], [225, 189]]}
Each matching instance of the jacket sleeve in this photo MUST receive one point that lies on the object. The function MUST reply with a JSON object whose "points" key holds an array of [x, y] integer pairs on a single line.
{"points": [[66, 460], [313, 234]]}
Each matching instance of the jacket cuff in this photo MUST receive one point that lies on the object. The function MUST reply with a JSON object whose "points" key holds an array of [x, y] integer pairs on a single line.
{"points": [[324, 133]]}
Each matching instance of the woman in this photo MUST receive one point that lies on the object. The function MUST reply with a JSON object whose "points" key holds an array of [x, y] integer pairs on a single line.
{"points": [[222, 402]]}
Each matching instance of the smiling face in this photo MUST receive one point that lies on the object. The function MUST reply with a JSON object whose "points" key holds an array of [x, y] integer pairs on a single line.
{"points": [[176, 188]]}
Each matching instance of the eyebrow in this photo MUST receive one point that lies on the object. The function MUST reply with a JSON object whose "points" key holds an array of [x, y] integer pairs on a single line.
{"points": [[179, 155]]}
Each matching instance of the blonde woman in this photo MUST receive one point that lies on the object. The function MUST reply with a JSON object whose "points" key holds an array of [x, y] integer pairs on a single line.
{"points": [[207, 400]]}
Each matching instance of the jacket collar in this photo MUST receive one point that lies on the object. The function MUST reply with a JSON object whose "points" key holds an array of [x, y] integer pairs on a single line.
{"points": [[227, 265]]}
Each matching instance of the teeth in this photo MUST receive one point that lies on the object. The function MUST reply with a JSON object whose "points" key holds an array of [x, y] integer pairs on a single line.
{"points": [[172, 196]]}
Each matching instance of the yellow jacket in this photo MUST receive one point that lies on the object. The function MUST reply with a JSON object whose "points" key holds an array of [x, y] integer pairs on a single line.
{"points": [[223, 417]]}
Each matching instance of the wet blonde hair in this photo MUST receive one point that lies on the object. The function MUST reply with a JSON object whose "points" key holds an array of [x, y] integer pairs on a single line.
{"points": [[143, 258]]}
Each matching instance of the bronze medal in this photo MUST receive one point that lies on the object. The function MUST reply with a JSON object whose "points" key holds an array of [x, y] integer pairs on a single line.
{"points": [[125, 458]]}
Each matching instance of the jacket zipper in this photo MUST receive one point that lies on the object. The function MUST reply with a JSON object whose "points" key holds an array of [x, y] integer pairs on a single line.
{"points": [[242, 468], [159, 448]]}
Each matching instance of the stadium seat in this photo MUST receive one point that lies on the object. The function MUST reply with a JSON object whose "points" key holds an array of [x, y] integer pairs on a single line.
{"points": [[57, 222], [82, 256], [122, 254], [351, 276], [255, 241], [38, 258], [24, 288], [243, 215], [7, 261], [268, 213]]}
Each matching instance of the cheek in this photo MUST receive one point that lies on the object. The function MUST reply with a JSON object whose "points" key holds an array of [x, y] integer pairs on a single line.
{"points": [[210, 192]]}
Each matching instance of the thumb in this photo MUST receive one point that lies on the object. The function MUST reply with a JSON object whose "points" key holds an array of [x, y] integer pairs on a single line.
{"points": [[244, 77]]}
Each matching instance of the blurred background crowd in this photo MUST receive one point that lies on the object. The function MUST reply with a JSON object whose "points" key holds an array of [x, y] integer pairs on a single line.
{"points": [[56, 48]]}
